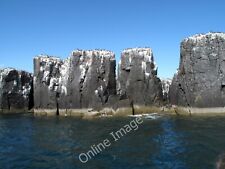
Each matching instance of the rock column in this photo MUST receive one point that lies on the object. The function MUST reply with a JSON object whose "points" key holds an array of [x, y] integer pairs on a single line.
{"points": [[16, 91], [137, 77], [200, 80]]}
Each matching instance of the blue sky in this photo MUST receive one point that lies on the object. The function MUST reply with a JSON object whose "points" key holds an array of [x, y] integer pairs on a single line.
{"points": [[56, 27]]}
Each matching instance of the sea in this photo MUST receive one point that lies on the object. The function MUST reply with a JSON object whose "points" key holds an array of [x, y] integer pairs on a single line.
{"points": [[166, 142]]}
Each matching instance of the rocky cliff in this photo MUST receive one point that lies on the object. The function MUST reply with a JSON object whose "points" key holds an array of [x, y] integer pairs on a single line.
{"points": [[16, 91], [84, 80], [200, 80], [137, 77], [87, 80]]}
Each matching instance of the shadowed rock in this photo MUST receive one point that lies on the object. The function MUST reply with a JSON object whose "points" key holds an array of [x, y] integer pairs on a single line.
{"points": [[15, 91], [200, 80]]}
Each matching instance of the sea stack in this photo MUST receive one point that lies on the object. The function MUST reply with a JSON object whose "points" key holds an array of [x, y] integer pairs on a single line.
{"points": [[137, 78], [16, 91], [84, 81], [46, 82], [200, 80], [165, 89]]}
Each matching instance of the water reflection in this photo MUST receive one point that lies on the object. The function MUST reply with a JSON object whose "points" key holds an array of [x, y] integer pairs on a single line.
{"points": [[171, 147]]}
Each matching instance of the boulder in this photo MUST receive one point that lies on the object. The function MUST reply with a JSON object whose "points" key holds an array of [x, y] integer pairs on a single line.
{"points": [[16, 91], [200, 80], [137, 77]]}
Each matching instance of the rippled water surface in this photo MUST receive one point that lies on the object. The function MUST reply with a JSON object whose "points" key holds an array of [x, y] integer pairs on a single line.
{"points": [[28, 142]]}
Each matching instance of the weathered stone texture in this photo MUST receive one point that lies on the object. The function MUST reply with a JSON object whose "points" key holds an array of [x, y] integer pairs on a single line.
{"points": [[137, 77], [200, 81], [85, 80], [165, 88], [15, 90], [46, 81]]}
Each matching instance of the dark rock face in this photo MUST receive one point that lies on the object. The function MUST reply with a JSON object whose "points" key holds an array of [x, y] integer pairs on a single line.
{"points": [[137, 77], [15, 90], [46, 81], [200, 81], [85, 80]]}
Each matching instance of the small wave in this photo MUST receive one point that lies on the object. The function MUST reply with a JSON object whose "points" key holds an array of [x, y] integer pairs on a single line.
{"points": [[152, 116]]}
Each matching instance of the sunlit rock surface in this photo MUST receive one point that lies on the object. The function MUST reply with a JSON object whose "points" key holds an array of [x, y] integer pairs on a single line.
{"points": [[137, 77], [165, 88], [200, 80], [16, 93], [84, 80]]}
